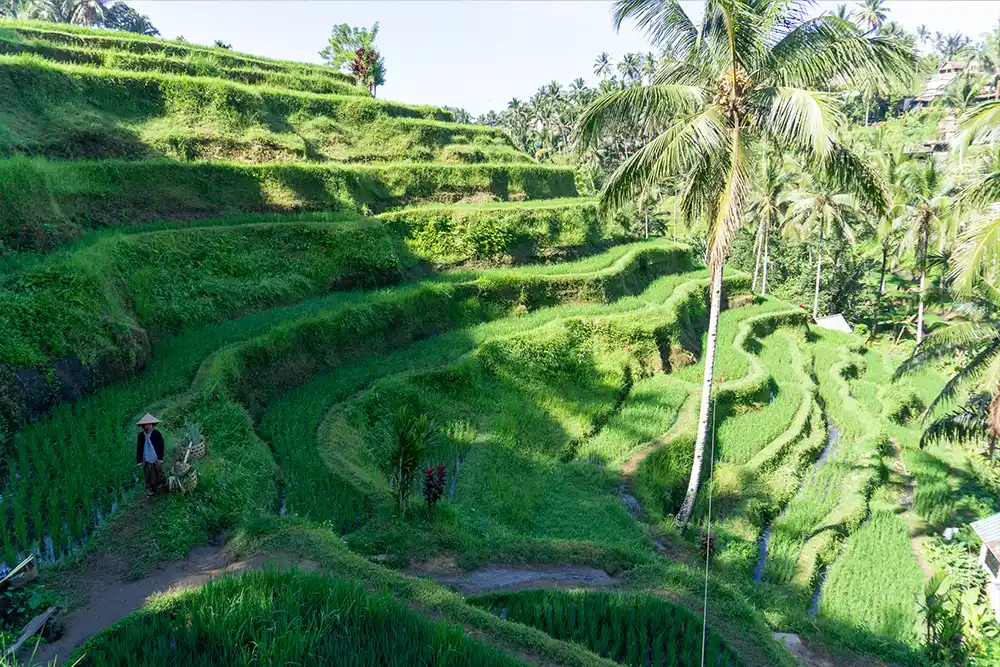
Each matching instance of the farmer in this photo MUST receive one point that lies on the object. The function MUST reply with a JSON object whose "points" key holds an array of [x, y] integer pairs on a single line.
{"points": [[149, 453]]}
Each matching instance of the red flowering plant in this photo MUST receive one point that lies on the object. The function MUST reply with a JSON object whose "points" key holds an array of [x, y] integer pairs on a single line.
{"points": [[434, 481]]}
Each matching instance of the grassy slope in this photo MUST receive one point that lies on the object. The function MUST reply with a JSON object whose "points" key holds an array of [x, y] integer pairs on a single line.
{"points": [[71, 111]]}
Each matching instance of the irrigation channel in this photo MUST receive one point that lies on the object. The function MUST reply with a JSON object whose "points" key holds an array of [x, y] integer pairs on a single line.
{"points": [[832, 439]]}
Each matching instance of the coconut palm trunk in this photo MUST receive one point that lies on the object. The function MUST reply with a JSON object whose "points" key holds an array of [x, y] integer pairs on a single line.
{"points": [[819, 272], [684, 515], [763, 281], [923, 283], [759, 251], [880, 294]]}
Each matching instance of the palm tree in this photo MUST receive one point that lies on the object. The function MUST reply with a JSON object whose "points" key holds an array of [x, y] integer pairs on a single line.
{"points": [[975, 340], [963, 92], [578, 91], [890, 228], [766, 208], [929, 206], [951, 45], [843, 13], [649, 67], [602, 66], [989, 57], [122, 17], [744, 76], [923, 34], [821, 208], [872, 13], [630, 68]]}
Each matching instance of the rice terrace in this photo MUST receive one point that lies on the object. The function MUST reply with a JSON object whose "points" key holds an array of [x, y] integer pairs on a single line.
{"points": [[693, 360]]}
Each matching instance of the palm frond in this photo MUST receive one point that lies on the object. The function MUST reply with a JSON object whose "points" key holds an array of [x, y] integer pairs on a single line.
{"points": [[981, 123], [969, 375], [674, 152], [798, 119], [664, 21], [828, 50], [637, 106], [859, 177], [967, 424], [728, 213], [977, 247]]}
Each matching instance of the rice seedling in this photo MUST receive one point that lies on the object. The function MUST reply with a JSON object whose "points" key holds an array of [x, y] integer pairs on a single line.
{"points": [[635, 629], [875, 582], [291, 617]]}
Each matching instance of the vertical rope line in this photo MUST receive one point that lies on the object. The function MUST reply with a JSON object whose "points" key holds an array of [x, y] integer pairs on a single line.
{"points": [[708, 538]]}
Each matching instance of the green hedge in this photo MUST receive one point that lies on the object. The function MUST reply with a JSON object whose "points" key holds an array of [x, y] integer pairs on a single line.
{"points": [[71, 111], [635, 629], [43, 203], [91, 38], [519, 232], [285, 618]]}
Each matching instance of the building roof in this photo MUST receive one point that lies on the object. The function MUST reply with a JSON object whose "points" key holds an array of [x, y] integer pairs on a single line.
{"points": [[988, 530], [835, 322]]}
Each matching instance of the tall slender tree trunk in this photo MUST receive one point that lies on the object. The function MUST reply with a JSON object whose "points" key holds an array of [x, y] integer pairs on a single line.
{"points": [[763, 281], [920, 308], [758, 249], [881, 292], [684, 515], [647, 223], [923, 284], [819, 272], [676, 194]]}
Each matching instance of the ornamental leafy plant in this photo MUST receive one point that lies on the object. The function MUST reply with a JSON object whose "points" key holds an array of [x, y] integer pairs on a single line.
{"points": [[434, 482]]}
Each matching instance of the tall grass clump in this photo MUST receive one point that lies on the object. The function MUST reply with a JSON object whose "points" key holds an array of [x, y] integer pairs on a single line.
{"points": [[638, 630], [285, 618]]}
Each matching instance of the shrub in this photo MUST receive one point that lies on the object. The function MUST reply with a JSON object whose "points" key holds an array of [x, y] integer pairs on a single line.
{"points": [[411, 435], [433, 487]]}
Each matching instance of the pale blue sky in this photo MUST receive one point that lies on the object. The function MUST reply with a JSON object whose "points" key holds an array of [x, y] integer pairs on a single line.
{"points": [[468, 53]]}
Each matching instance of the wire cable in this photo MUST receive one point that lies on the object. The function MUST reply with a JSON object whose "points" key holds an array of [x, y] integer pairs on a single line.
{"points": [[708, 536]]}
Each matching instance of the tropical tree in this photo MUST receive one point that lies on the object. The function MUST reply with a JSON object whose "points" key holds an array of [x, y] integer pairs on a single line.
{"points": [[975, 340], [602, 66], [929, 204], [949, 46], [989, 57], [890, 228], [923, 34], [630, 69], [353, 49], [823, 210], [122, 17], [871, 14], [748, 74], [963, 92], [766, 208]]}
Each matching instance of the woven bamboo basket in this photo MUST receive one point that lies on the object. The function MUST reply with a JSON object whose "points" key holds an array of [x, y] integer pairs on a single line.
{"points": [[183, 477], [195, 452]]}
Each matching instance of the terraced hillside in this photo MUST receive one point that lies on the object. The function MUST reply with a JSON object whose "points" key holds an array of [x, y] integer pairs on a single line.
{"points": [[187, 231]]}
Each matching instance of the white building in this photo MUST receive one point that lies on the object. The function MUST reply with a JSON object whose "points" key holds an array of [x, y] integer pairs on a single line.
{"points": [[988, 530]]}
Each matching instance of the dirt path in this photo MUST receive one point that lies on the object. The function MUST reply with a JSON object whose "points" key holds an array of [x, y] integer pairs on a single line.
{"points": [[496, 578], [109, 598]]}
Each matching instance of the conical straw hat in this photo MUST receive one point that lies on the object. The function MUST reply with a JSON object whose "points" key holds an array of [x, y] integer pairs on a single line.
{"points": [[147, 419]]}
